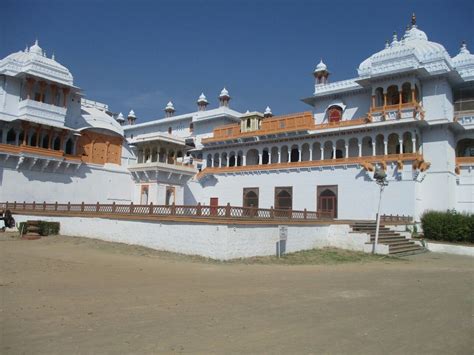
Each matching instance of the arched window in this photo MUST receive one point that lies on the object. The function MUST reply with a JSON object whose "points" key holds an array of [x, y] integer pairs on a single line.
{"points": [[392, 95], [11, 137], [57, 143], [284, 198], [191, 127], [265, 157], [252, 157], [69, 146], [45, 142], [209, 161], [248, 122], [250, 198], [232, 159], [170, 130], [33, 140], [378, 97], [295, 154], [334, 114], [406, 93], [393, 144]]}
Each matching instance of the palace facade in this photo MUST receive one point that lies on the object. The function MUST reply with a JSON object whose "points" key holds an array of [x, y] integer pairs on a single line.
{"points": [[409, 111]]}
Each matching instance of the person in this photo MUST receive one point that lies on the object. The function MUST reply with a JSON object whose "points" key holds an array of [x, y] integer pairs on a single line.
{"points": [[8, 220]]}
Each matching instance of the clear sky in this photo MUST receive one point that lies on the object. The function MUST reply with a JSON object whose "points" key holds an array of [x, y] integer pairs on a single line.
{"points": [[140, 54]]}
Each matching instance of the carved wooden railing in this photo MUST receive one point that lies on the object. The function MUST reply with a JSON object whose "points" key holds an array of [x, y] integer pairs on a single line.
{"points": [[131, 210], [17, 149]]}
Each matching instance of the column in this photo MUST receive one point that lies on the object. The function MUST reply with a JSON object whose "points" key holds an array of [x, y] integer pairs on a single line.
{"points": [[38, 136], [260, 161], [228, 161], [220, 161], [310, 152], [42, 85], [61, 144], [212, 160], [334, 151], [244, 160], [279, 156], [50, 138], [299, 153], [289, 155], [54, 91], [413, 145], [322, 152], [4, 134], [399, 98], [360, 149], [384, 99], [373, 147], [26, 129], [373, 101], [347, 151], [65, 94], [400, 141], [29, 87], [413, 99], [385, 147]]}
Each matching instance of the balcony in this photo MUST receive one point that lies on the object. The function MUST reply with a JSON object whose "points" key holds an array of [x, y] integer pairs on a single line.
{"points": [[283, 124], [396, 112], [464, 118], [40, 112], [170, 168]]}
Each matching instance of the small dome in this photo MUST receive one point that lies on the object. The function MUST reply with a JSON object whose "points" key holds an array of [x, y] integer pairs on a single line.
{"points": [[169, 106], [464, 63], [36, 49], [132, 114], [120, 118], [321, 67], [268, 111], [224, 93], [202, 98]]}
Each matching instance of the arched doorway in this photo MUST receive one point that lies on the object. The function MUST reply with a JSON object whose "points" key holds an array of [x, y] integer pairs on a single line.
{"points": [[170, 195], [327, 201]]}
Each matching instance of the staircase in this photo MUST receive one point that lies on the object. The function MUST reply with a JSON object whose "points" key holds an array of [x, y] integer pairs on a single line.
{"points": [[31, 231], [397, 244]]}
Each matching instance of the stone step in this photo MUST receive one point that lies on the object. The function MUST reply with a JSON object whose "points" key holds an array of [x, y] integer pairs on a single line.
{"points": [[409, 250], [394, 248], [389, 238], [395, 242]]}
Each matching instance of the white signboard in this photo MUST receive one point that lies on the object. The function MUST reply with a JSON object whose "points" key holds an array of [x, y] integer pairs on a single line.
{"points": [[283, 232]]}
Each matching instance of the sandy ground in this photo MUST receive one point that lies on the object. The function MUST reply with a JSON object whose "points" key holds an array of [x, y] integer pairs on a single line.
{"points": [[76, 296]]}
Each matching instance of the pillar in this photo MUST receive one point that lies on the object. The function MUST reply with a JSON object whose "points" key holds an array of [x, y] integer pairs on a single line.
{"points": [[244, 160], [384, 99], [29, 87], [413, 145], [322, 152], [228, 160], [212, 160], [400, 142], [347, 151], [373, 147], [42, 85], [260, 161], [399, 98], [4, 134], [299, 153], [65, 94], [413, 99], [334, 151], [373, 101], [385, 147], [38, 136], [360, 149], [279, 156], [289, 155], [310, 153]]}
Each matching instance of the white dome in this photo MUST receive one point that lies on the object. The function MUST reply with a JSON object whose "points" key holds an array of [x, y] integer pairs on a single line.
{"points": [[268, 111], [120, 118], [33, 61], [224, 93], [202, 98], [464, 63], [321, 67], [169, 106], [132, 114], [413, 51]]}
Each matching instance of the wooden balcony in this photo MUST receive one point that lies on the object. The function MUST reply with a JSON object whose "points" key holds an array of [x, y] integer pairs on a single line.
{"points": [[383, 159], [282, 124], [8, 149]]}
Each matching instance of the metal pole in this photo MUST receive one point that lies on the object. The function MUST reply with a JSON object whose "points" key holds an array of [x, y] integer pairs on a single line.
{"points": [[378, 221]]}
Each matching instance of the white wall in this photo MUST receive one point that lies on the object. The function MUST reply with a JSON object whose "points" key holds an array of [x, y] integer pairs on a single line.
{"points": [[221, 242], [90, 183]]}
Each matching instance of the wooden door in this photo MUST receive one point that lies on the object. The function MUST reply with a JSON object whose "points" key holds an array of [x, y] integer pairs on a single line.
{"points": [[214, 202]]}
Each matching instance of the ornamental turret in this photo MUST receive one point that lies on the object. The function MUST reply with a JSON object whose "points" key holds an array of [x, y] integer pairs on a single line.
{"points": [[169, 109], [224, 98], [202, 102], [131, 117], [321, 73], [120, 119], [268, 112]]}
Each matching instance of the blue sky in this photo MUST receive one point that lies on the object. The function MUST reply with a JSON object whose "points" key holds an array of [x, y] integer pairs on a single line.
{"points": [[140, 54]]}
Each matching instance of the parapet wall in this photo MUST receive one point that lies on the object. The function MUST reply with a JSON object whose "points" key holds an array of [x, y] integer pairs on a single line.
{"points": [[216, 241]]}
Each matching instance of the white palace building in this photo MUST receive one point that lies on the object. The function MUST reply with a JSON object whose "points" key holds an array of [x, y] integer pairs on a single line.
{"points": [[409, 111]]}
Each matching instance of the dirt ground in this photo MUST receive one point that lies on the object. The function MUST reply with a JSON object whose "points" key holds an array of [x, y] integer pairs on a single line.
{"points": [[63, 295]]}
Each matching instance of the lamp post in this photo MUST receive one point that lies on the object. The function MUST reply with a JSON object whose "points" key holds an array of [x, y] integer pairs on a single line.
{"points": [[381, 179]]}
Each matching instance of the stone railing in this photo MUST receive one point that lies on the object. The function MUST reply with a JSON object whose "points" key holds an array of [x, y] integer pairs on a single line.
{"points": [[172, 212], [47, 113]]}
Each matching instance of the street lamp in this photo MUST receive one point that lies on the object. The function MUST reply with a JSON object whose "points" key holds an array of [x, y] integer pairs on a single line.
{"points": [[381, 179]]}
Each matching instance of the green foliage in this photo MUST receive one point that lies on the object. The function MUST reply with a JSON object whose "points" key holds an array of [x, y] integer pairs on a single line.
{"points": [[450, 226], [45, 228]]}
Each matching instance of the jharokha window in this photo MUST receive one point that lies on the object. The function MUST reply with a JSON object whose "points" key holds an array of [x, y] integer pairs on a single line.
{"points": [[284, 198], [250, 197], [334, 114]]}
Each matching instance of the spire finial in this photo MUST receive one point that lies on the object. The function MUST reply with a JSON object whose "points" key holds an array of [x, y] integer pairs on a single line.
{"points": [[53, 57], [413, 20], [387, 43]]}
